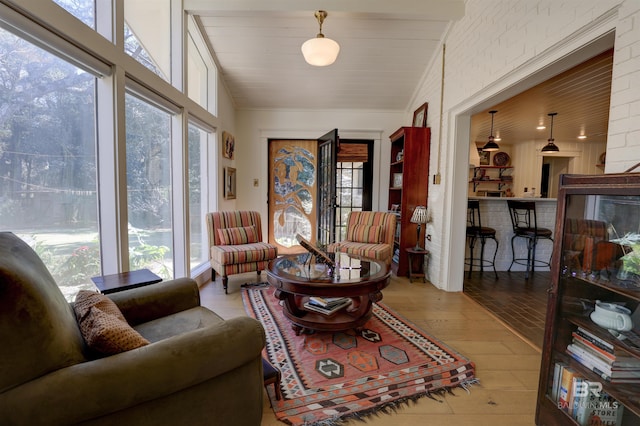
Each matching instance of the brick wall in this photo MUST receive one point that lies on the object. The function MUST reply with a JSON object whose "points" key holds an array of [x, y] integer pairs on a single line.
{"points": [[492, 43]]}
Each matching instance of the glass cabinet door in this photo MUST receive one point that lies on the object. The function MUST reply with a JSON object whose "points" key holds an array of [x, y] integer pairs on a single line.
{"points": [[591, 357]]}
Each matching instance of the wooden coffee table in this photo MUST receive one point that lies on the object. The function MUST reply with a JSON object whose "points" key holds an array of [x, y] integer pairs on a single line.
{"points": [[361, 280]]}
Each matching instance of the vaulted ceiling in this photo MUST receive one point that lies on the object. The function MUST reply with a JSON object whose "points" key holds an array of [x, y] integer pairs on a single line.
{"points": [[385, 49]]}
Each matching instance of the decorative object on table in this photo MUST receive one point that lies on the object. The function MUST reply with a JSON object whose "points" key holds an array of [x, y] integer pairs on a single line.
{"points": [[491, 145], [329, 377], [320, 51], [484, 157], [395, 208], [612, 316], [320, 256], [228, 145], [420, 115], [400, 155], [501, 159], [419, 216], [229, 183], [551, 146], [397, 180]]}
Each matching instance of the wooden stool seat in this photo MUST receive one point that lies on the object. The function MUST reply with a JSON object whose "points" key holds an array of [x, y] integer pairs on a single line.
{"points": [[525, 225], [475, 232]]}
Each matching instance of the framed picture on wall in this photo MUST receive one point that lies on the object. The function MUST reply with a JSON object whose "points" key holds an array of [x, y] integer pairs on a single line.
{"points": [[397, 180], [228, 145], [420, 116], [229, 186], [484, 157]]}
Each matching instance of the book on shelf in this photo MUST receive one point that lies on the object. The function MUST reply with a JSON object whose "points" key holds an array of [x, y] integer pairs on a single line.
{"points": [[557, 376], [329, 310], [592, 346], [608, 371], [616, 362], [601, 343], [584, 400], [598, 408], [566, 386]]}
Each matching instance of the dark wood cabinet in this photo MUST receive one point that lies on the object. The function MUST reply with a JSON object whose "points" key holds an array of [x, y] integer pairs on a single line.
{"points": [[408, 187], [593, 316]]}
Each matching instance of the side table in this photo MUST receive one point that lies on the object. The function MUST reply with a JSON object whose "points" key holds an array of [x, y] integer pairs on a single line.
{"points": [[417, 260], [125, 280]]}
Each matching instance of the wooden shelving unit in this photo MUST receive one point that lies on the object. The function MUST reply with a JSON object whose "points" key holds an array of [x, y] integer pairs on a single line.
{"points": [[480, 176], [413, 165], [598, 215]]}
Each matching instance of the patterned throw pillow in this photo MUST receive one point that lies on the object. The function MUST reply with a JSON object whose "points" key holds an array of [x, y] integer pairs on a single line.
{"points": [[239, 235], [364, 233], [103, 327]]}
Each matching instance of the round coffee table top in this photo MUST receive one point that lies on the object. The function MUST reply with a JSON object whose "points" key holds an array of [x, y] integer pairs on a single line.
{"points": [[353, 269]]}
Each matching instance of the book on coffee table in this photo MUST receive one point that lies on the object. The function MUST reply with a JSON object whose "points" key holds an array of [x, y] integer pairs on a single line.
{"points": [[327, 302], [328, 310]]}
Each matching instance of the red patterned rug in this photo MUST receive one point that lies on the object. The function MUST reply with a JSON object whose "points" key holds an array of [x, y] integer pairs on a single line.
{"points": [[331, 377]]}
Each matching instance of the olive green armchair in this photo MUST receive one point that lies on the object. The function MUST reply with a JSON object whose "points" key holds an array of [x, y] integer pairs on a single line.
{"points": [[197, 368]]}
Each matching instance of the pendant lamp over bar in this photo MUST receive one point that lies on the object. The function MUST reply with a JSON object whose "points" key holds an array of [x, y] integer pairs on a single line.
{"points": [[550, 146], [320, 51], [491, 145]]}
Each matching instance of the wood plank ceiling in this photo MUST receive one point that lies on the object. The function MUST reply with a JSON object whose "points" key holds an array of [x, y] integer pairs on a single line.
{"points": [[580, 96]]}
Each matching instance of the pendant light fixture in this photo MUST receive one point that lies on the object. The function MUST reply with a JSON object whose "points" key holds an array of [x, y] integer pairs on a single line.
{"points": [[320, 51], [550, 146], [491, 145]]}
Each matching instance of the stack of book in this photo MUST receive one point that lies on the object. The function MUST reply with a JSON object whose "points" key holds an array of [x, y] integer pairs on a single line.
{"points": [[584, 400], [599, 356], [327, 305]]}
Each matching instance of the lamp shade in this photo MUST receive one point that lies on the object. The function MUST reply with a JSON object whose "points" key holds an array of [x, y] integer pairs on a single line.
{"points": [[419, 215], [491, 145], [551, 146], [320, 51]]}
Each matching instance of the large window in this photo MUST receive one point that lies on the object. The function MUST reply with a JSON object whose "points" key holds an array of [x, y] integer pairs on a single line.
{"points": [[48, 160], [197, 196], [92, 146], [84, 10], [149, 187], [148, 34]]}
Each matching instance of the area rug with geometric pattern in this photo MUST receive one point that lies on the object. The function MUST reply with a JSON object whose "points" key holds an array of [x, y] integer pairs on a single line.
{"points": [[330, 377]]}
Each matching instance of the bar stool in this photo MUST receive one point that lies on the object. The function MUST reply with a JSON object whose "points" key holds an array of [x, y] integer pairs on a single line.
{"points": [[525, 225], [475, 231]]}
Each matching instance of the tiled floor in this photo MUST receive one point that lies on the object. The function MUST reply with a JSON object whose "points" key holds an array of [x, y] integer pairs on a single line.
{"points": [[521, 304]]}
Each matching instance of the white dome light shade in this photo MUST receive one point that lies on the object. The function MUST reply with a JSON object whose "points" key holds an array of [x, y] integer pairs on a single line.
{"points": [[320, 51]]}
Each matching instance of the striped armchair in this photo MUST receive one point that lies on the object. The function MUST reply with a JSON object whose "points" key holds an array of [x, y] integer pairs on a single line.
{"points": [[369, 234], [235, 240]]}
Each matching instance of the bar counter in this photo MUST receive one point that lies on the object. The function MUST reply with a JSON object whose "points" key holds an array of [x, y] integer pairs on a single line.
{"points": [[495, 214]]}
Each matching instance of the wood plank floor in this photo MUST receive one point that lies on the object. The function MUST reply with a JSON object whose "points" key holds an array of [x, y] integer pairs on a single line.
{"points": [[520, 303], [506, 365]]}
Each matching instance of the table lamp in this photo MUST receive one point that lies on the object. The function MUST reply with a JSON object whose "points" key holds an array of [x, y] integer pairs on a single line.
{"points": [[419, 217]]}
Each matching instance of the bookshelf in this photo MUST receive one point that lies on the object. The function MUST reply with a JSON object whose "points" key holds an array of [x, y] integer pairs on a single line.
{"points": [[408, 187], [595, 264]]}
